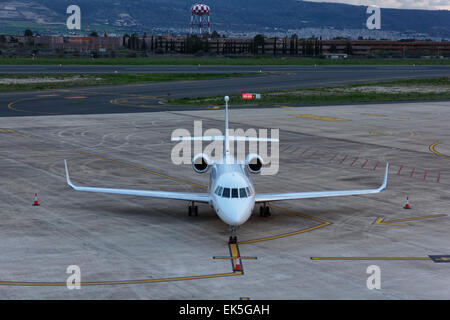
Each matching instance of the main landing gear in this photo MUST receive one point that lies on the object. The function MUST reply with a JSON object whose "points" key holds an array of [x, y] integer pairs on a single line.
{"points": [[264, 210], [193, 210], [233, 237]]}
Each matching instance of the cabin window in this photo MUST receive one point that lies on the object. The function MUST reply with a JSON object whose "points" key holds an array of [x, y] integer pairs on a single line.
{"points": [[234, 193], [242, 193], [226, 192]]}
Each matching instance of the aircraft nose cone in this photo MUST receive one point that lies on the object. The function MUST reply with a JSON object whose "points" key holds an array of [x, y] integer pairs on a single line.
{"points": [[236, 212]]}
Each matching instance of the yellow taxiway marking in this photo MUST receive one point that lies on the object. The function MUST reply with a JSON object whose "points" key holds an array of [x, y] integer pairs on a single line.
{"points": [[286, 107], [12, 103], [380, 221], [13, 132], [121, 282], [228, 258], [126, 102], [77, 97], [373, 258], [47, 95], [234, 250], [213, 108], [322, 224], [374, 114], [433, 149], [315, 117], [143, 170]]}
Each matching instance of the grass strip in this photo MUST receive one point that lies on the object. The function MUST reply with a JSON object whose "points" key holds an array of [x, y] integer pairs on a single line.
{"points": [[54, 81], [399, 90]]}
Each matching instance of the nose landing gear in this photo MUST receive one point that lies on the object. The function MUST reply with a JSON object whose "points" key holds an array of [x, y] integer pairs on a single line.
{"points": [[264, 210], [233, 237]]}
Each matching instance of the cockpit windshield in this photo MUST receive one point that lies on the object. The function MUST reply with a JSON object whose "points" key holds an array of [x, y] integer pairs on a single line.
{"points": [[233, 192]]}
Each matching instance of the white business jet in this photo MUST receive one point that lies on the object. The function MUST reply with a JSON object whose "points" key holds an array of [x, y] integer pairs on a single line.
{"points": [[230, 192]]}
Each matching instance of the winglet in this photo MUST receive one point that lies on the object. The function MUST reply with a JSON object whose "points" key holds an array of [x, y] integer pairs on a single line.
{"points": [[67, 175], [383, 186]]}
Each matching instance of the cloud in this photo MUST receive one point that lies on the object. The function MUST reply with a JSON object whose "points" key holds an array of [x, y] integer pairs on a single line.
{"points": [[401, 4]]}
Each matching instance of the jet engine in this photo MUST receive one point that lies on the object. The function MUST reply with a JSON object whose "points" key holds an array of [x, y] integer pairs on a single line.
{"points": [[201, 163], [254, 163]]}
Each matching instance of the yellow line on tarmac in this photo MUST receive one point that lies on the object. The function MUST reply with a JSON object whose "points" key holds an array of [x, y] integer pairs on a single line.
{"points": [[394, 222], [433, 149], [125, 102], [12, 103], [47, 95], [143, 170], [228, 258], [374, 115], [13, 132], [315, 117], [97, 283], [322, 224], [234, 252], [78, 97]]}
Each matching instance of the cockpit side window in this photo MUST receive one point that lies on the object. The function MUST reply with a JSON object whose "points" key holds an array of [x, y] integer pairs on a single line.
{"points": [[248, 191], [219, 191], [226, 192], [242, 193], [234, 193]]}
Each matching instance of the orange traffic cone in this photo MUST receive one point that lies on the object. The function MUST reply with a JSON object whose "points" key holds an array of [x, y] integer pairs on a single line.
{"points": [[238, 264], [407, 206], [36, 201]]}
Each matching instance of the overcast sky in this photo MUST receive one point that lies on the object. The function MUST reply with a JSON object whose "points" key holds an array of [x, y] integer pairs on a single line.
{"points": [[403, 4]]}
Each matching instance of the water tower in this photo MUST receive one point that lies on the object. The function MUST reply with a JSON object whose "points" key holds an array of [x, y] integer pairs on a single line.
{"points": [[200, 19]]}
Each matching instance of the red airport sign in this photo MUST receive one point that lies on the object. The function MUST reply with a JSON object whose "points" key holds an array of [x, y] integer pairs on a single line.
{"points": [[248, 96]]}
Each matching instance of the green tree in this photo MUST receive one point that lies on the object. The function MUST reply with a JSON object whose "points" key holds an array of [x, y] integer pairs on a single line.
{"points": [[93, 34], [215, 35], [28, 33], [194, 44], [259, 40], [349, 49], [333, 48]]}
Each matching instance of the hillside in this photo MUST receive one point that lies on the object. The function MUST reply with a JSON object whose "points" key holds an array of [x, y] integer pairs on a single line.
{"points": [[235, 15]]}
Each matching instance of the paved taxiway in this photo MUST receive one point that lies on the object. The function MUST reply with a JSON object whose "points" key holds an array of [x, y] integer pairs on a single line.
{"points": [[148, 97], [164, 254]]}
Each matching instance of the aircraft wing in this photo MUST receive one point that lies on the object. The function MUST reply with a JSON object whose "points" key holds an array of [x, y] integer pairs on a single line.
{"points": [[269, 197], [197, 197]]}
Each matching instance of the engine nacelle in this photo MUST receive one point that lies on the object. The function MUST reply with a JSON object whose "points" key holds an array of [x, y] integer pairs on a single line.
{"points": [[254, 163], [201, 163]]}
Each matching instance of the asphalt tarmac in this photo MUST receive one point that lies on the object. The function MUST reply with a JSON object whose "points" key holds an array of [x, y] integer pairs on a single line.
{"points": [[150, 97], [130, 247], [141, 248]]}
